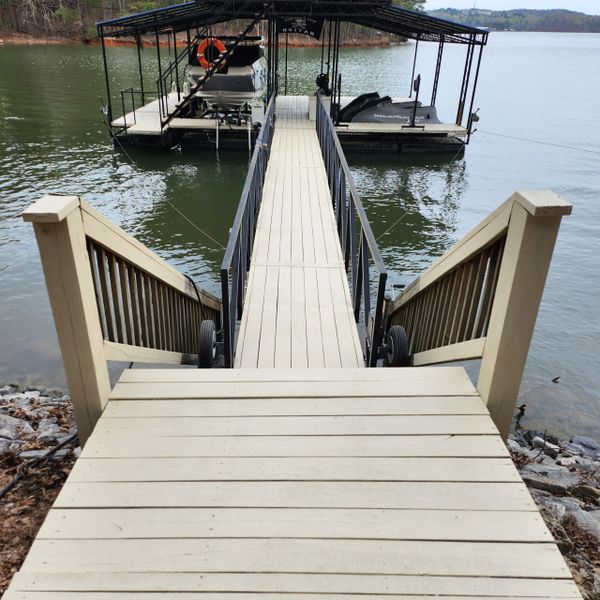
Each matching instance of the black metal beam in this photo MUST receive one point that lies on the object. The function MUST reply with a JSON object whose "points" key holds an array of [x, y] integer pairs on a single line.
{"points": [[377, 14], [438, 67]]}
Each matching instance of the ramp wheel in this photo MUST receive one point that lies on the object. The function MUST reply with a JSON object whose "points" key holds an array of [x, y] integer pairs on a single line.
{"points": [[396, 347], [207, 345]]}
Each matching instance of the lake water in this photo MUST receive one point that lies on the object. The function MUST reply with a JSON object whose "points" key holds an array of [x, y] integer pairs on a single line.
{"points": [[543, 87]]}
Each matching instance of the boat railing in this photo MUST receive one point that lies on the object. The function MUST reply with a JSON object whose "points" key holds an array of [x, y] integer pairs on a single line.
{"points": [[112, 299], [480, 300], [236, 261], [362, 259], [128, 98]]}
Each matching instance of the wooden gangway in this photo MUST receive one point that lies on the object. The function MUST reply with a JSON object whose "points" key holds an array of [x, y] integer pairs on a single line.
{"points": [[288, 477]]}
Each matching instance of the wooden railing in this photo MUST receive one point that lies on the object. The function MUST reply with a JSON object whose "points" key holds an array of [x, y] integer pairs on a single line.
{"points": [[112, 299], [481, 299]]}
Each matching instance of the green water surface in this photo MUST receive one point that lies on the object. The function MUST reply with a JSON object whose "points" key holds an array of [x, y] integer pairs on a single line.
{"points": [[538, 86]]}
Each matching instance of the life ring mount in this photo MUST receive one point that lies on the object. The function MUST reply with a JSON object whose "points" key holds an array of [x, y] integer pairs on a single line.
{"points": [[217, 45]]}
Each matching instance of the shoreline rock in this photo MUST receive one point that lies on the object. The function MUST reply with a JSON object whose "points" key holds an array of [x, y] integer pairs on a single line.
{"points": [[33, 420], [563, 478]]}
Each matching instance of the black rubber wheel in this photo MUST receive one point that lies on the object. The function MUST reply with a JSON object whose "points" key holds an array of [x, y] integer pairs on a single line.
{"points": [[396, 347], [207, 345]]}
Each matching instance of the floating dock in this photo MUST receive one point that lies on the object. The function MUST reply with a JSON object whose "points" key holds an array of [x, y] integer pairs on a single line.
{"points": [[220, 100], [143, 127]]}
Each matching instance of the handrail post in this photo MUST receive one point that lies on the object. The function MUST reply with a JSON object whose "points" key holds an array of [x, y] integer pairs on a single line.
{"points": [[533, 227], [58, 226]]}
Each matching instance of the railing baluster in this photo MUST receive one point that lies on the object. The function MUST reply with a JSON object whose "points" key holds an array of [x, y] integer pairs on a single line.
{"points": [[92, 255], [366, 277], [358, 283], [125, 297]]}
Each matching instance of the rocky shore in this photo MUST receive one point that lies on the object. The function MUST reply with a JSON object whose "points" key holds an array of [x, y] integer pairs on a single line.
{"points": [[33, 423], [563, 478]]}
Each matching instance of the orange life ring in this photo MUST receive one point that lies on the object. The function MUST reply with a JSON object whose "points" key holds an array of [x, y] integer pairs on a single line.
{"points": [[215, 43]]}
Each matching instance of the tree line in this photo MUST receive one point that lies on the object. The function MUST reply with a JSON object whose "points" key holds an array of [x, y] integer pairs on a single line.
{"points": [[77, 18], [523, 19]]}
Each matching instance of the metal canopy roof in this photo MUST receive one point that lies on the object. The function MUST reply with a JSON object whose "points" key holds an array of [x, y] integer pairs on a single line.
{"points": [[378, 14]]}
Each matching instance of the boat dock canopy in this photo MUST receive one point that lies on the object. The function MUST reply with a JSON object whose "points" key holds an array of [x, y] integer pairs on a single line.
{"points": [[378, 14]]}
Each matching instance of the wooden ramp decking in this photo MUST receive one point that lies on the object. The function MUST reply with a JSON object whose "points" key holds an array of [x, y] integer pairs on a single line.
{"points": [[295, 483], [298, 311]]}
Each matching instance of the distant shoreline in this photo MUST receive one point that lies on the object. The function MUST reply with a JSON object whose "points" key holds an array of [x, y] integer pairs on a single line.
{"points": [[522, 20], [295, 41]]}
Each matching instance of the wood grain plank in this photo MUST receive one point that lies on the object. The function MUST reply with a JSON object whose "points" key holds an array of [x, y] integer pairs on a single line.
{"points": [[301, 556], [415, 377], [148, 523], [311, 583], [299, 425], [459, 405], [295, 469], [305, 494]]}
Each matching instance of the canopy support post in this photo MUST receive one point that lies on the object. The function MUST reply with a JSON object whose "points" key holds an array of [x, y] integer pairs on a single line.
{"points": [[175, 57], [465, 82], [106, 78], [470, 120], [438, 68], [138, 40], [160, 78], [412, 77]]}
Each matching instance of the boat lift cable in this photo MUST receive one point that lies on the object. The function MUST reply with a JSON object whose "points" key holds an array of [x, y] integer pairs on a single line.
{"points": [[392, 225], [541, 142], [204, 233]]}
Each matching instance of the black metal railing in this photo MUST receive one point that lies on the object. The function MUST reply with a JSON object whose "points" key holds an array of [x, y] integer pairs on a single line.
{"points": [[236, 261], [356, 238], [172, 79], [128, 97]]}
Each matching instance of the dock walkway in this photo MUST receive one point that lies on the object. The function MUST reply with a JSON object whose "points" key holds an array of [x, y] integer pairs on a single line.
{"points": [[298, 311], [299, 483]]}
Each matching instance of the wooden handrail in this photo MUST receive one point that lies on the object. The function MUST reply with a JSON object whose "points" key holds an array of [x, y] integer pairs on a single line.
{"points": [[481, 298], [112, 299]]}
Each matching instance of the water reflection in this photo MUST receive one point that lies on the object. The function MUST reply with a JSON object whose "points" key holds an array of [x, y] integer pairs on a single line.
{"points": [[412, 202]]}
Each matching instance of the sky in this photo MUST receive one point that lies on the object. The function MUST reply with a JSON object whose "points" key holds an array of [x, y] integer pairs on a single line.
{"points": [[591, 7]]}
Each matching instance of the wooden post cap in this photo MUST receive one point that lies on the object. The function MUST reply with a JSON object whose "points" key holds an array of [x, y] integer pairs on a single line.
{"points": [[52, 208], [542, 203]]}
